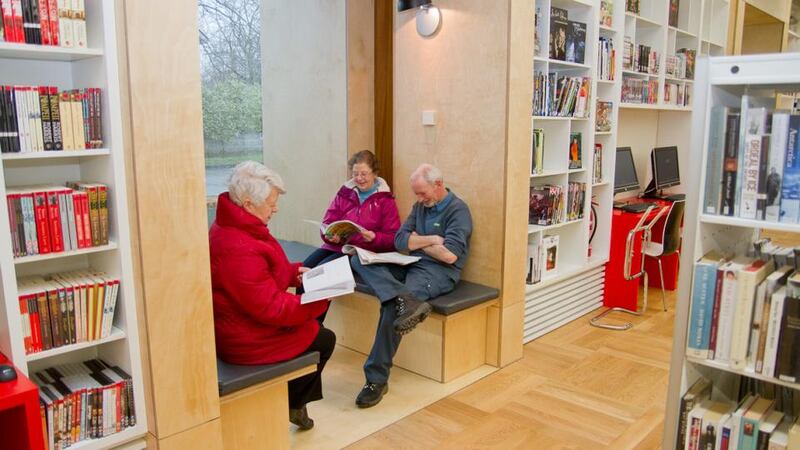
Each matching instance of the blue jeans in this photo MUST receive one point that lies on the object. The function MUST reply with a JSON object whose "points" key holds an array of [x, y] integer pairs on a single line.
{"points": [[423, 280]]}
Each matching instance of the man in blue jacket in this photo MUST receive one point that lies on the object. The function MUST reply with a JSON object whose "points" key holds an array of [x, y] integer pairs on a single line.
{"points": [[438, 231]]}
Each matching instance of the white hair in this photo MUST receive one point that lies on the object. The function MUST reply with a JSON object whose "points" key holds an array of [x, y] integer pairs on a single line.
{"points": [[429, 173], [254, 180]]}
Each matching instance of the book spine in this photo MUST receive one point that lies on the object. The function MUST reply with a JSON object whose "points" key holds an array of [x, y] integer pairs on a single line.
{"points": [[742, 318], [55, 317], [716, 149], [94, 214], [76, 104], [87, 223], [47, 126], [749, 192], [55, 221], [71, 225], [790, 189], [62, 214], [79, 23], [42, 224], [36, 118], [44, 320], [702, 303], [730, 170], [55, 118], [712, 339], [788, 359], [52, 17], [763, 168], [65, 28], [44, 22], [777, 154], [102, 209], [65, 107]]}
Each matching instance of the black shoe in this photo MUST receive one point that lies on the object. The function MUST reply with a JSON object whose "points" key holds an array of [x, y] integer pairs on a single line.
{"points": [[300, 418], [371, 394], [410, 312]]}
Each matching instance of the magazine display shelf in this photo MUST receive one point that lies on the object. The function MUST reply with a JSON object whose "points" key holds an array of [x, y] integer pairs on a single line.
{"points": [[72, 68]]}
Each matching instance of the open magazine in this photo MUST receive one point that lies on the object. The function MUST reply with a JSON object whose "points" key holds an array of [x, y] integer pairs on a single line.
{"points": [[342, 228], [368, 257], [331, 279]]}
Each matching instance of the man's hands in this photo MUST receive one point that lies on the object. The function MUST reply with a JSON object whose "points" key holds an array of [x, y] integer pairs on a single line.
{"points": [[416, 241]]}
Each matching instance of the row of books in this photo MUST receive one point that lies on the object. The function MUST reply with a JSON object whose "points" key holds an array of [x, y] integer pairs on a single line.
{"points": [[681, 64], [677, 94], [639, 90], [546, 205], [87, 400], [44, 22], [766, 420], [542, 257], [576, 198], [744, 314], [561, 96], [52, 219], [606, 59], [66, 308], [603, 115], [597, 164], [607, 13], [754, 170], [567, 37], [39, 118], [639, 58]]}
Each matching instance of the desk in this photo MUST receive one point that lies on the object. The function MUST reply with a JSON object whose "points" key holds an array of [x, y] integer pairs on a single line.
{"points": [[617, 290], [20, 419]]}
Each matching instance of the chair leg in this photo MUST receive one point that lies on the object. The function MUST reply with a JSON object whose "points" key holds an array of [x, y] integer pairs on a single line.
{"points": [[663, 291]]}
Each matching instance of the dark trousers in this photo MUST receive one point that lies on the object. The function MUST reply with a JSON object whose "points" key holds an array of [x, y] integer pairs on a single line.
{"points": [[389, 281], [318, 257], [308, 388]]}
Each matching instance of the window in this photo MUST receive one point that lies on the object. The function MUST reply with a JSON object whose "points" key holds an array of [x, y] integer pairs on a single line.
{"points": [[230, 64]]}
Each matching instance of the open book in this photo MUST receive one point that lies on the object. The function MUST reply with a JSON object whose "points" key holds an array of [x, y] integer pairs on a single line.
{"points": [[342, 228], [368, 257], [331, 279]]}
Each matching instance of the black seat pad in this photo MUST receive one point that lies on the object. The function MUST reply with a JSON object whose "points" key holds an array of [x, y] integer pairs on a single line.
{"points": [[232, 377]]}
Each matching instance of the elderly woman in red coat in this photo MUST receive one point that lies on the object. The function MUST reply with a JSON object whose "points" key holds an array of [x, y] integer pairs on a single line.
{"points": [[256, 321]]}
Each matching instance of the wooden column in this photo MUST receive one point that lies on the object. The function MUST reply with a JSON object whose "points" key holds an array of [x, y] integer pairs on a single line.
{"points": [[161, 98]]}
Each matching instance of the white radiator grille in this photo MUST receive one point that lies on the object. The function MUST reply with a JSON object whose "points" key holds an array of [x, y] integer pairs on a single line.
{"points": [[553, 306]]}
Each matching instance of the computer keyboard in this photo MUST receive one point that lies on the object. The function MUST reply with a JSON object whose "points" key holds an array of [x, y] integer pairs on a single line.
{"points": [[637, 207]]}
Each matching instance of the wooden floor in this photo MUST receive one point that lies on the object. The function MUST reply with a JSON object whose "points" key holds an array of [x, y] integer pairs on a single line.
{"points": [[577, 387]]}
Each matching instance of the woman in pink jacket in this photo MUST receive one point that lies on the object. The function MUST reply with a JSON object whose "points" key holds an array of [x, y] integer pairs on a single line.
{"points": [[367, 200]]}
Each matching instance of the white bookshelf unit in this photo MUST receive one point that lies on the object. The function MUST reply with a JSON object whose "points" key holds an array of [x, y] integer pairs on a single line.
{"points": [[702, 26], [73, 68], [720, 81]]}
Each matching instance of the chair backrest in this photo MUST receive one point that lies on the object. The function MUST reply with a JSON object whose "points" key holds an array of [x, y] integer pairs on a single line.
{"points": [[672, 229]]}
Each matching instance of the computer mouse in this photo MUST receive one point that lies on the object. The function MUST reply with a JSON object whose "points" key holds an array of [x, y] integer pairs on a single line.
{"points": [[7, 373]]}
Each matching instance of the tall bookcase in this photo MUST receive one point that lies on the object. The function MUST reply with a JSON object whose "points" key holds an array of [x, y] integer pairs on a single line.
{"points": [[575, 288], [720, 82], [68, 68]]}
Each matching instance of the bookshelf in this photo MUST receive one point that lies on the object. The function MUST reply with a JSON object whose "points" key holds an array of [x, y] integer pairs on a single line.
{"points": [[548, 303], [721, 81], [72, 68]]}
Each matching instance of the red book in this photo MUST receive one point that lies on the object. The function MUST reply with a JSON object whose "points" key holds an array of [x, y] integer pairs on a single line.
{"points": [[54, 220], [8, 22], [25, 321], [52, 17], [712, 343], [16, 17], [87, 223], [78, 217], [44, 22], [42, 225]]}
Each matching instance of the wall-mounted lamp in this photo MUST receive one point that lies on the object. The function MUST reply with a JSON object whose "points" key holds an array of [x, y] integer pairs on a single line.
{"points": [[428, 16]]}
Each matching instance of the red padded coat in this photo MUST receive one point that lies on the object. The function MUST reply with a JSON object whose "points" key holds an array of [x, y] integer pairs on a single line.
{"points": [[255, 320]]}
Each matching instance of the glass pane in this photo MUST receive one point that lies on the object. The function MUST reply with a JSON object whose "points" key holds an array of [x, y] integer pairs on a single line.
{"points": [[230, 64]]}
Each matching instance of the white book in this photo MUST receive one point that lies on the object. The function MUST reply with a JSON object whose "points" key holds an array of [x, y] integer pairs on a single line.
{"points": [[36, 118], [79, 23], [62, 210], [367, 257], [727, 308], [749, 191], [65, 28], [780, 437], [773, 332], [777, 153], [755, 327], [749, 278], [22, 123], [331, 279], [73, 232]]}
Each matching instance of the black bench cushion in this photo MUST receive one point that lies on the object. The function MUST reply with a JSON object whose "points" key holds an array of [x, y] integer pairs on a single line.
{"points": [[233, 377]]}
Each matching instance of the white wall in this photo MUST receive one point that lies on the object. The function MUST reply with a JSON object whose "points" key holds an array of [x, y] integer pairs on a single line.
{"points": [[304, 83]]}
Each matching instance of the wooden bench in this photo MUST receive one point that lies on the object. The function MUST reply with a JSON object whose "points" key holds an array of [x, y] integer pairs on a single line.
{"points": [[254, 402], [450, 343]]}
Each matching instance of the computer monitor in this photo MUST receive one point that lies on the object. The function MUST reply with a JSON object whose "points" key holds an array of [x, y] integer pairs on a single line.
{"points": [[665, 167], [625, 178]]}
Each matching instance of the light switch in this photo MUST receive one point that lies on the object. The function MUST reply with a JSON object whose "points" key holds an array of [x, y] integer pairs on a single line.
{"points": [[428, 118]]}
